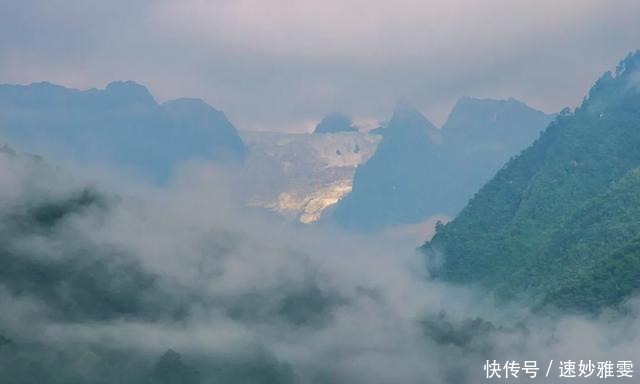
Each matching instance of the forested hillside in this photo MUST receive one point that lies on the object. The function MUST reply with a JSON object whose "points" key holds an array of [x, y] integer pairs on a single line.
{"points": [[560, 222]]}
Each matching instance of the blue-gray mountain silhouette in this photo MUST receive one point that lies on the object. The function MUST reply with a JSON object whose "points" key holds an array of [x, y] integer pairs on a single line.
{"points": [[335, 122], [419, 170], [393, 186], [480, 136], [121, 125]]}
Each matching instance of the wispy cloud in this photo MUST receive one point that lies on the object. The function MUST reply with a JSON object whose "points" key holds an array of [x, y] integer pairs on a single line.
{"points": [[278, 64]]}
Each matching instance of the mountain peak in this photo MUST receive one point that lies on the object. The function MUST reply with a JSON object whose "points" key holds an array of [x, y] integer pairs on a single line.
{"points": [[197, 112], [407, 119], [625, 82], [125, 85], [189, 104], [468, 101], [629, 64], [129, 91], [474, 116], [403, 103], [335, 122], [404, 108], [46, 85], [206, 124]]}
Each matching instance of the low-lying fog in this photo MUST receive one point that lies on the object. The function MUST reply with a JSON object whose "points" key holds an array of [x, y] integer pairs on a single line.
{"points": [[103, 276]]}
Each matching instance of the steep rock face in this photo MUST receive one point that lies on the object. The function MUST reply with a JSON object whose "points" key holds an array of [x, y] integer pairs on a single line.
{"points": [[561, 218], [121, 125]]}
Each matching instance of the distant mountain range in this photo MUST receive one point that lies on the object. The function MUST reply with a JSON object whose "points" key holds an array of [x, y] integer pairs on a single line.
{"points": [[417, 171], [560, 224], [121, 124], [420, 171]]}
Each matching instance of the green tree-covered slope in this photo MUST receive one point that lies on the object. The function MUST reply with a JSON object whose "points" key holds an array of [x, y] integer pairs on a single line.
{"points": [[568, 206]]}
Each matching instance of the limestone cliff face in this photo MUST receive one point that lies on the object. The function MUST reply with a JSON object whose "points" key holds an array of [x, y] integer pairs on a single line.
{"points": [[301, 175]]}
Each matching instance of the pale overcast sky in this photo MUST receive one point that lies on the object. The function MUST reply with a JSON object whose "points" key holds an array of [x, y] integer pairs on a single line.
{"points": [[282, 64]]}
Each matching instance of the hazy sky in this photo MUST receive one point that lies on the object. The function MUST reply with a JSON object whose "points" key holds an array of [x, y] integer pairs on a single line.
{"points": [[282, 64]]}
